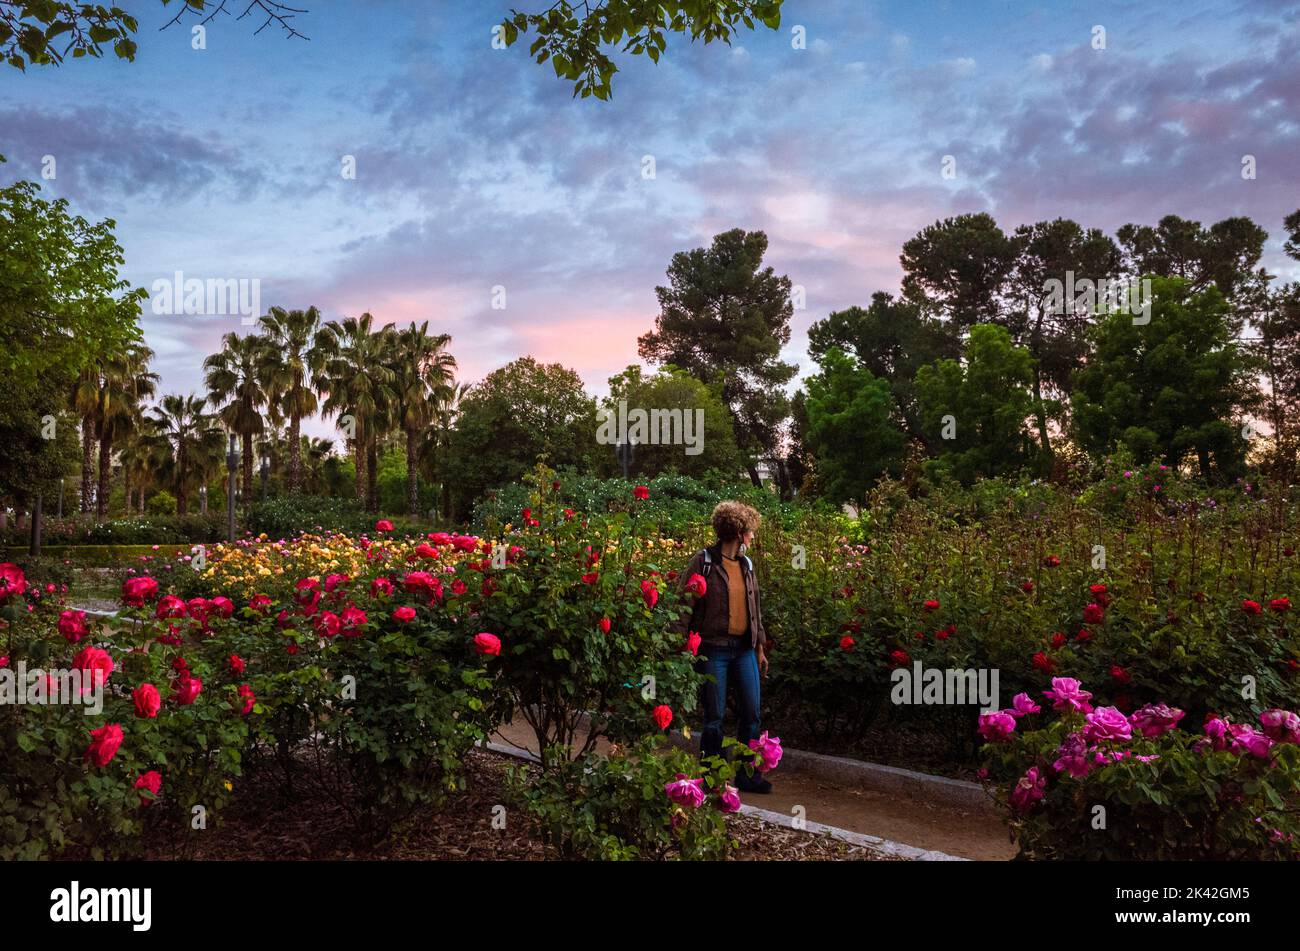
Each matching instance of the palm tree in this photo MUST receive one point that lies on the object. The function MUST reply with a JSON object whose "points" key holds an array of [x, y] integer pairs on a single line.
{"points": [[423, 372], [138, 464], [125, 381], [444, 406], [234, 378], [315, 452], [85, 403], [354, 377], [186, 441], [286, 364]]}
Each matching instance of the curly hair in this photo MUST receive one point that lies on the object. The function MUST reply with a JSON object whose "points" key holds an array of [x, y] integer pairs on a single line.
{"points": [[733, 520]]}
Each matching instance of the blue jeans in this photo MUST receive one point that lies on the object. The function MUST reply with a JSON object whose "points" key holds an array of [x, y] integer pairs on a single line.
{"points": [[733, 663]]}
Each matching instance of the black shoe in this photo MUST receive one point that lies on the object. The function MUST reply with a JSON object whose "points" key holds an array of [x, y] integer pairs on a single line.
{"points": [[754, 784]]}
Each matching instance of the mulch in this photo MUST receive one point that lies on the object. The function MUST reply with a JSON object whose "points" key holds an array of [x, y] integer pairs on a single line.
{"points": [[266, 823]]}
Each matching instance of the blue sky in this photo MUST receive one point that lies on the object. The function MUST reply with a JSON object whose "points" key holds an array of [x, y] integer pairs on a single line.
{"points": [[476, 168]]}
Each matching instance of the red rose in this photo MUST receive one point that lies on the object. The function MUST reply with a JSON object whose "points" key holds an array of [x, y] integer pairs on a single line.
{"points": [[663, 716], [95, 663], [260, 602], [1083, 635], [1027, 587], [425, 550], [1051, 561], [1093, 614], [641, 492], [236, 664], [604, 625], [697, 585], [1250, 607], [222, 605], [304, 587], [147, 701], [931, 605], [568, 515], [404, 615], [649, 593], [459, 587], [1280, 604], [246, 699], [381, 586], [187, 689], [72, 625], [590, 578], [198, 609], [103, 744], [328, 624], [383, 525], [846, 643], [12, 581], [900, 658], [487, 644], [136, 591], [354, 619], [693, 644], [1058, 639], [169, 606], [1044, 663], [150, 782], [1120, 675]]}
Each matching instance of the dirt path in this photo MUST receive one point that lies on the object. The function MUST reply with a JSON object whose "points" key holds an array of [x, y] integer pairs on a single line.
{"points": [[970, 834]]}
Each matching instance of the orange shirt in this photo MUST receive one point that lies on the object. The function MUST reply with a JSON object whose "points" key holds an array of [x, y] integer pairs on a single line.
{"points": [[737, 606]]}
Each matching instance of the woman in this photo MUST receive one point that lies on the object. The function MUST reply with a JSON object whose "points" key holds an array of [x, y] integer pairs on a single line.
{"points": [[729, 622]]}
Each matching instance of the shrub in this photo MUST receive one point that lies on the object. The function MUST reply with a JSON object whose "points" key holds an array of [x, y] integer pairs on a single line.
{"points": [[292, 515], [617, 806], [161, 503], [1090, 785]]}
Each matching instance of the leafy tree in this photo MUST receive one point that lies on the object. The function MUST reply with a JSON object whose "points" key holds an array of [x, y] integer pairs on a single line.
{"points": [[671, 389], [356, 380], [1171, 387], [186, 442], [1224, 255], [286, 365], [516, 415], [1054, 331], [574, 35], [891, 339], [62, 301], [723, 318], [423, 371], [29, 462], [957, 269], [980, 410], [233, 377], [44, 32], [851, 427]]}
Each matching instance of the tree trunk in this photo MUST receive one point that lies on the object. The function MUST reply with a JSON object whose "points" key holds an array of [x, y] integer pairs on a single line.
{"points": [[1041, 416], [295, 453], [182, 498], [101, 497], [412, 476], [372, 476], [753, 475], [359, 459], [1203, 457], [87, 464], [248, 468]]}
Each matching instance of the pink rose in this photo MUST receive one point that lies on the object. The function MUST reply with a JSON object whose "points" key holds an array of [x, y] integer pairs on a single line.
{"points": [[1072, 757], [1106, 724], [1155, 719], [72, 625], [383, 525], [769, 751], [997, 727], [729, 799], [1247, 740], [1281, 725], [1068, 694], [1022, 705], [685, 792], [1028, 790], [12, 581]]}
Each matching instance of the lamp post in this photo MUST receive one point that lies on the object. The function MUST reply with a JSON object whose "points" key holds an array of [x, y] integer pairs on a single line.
{"points": [[232, 460], [35, 548], [203, 499], [265, 471], [60, 510]]}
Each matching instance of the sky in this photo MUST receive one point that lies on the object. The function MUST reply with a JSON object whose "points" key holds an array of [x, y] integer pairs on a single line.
{"points": [[476, 169]]}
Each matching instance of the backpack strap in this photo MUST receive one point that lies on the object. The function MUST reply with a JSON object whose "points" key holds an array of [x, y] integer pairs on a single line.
{"points": [[707, 563]]}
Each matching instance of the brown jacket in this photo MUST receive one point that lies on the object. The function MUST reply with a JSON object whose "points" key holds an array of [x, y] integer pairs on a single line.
{"points": [[710, 614]]}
